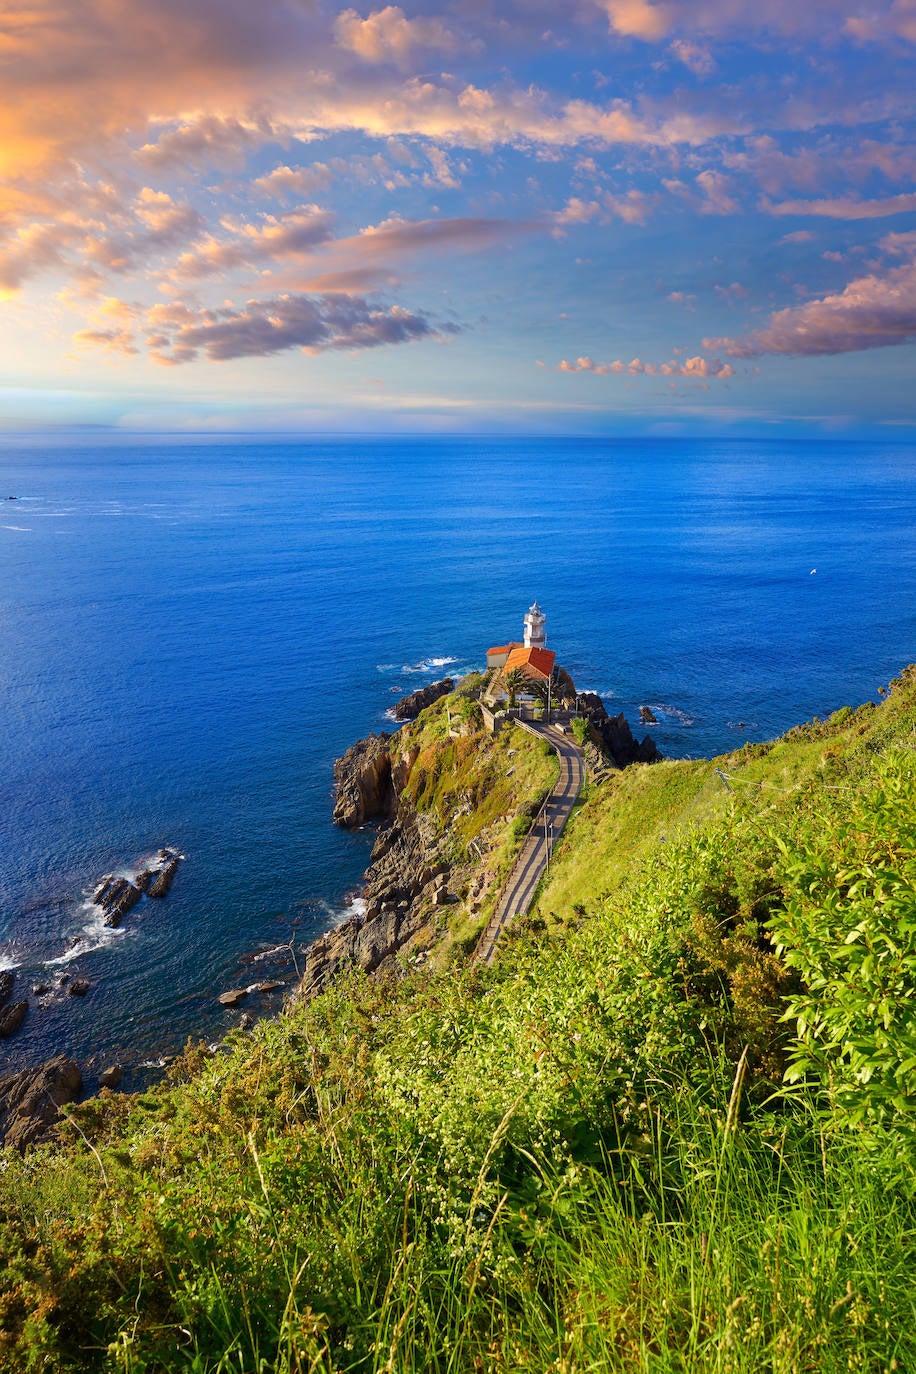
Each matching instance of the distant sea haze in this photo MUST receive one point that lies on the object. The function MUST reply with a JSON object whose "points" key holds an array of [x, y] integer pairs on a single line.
{"points": [[190, 633]]}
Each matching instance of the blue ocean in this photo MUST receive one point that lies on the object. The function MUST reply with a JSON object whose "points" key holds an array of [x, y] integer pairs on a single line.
{"points": [[192, 631]]}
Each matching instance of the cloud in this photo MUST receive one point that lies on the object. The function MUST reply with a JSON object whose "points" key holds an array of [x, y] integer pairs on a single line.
{"points": [[699, 368], [797, 236], [637, 18], [275, 238], [653, 22], [35, 248], [883, 21], [388, 35], [112, 328], [846, 207], [577, 211], [715, 188], [694, 56], [632, 207], [210, 140], [396, 237], [290, 183], [874, 311], [177, 333]]}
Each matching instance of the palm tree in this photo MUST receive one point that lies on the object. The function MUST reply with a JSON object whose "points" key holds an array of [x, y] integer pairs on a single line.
{"points": [[515, 681]]}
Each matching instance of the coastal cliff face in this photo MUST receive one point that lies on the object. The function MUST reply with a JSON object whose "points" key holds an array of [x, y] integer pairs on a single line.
{"points": [[30, 1101], [617, 740], [364, 786], [407, 875]]}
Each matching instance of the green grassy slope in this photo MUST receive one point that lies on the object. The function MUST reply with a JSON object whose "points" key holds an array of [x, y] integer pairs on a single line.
{"points": [[582, 1159]]}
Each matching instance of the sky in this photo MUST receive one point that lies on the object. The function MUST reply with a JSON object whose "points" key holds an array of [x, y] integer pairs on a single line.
{"points": [[607, 216]]}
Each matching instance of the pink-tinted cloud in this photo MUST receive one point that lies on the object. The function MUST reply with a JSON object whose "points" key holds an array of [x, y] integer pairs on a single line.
{"points": [[178, 334], [846, 207], [695, 56], [877, 22], [275, 238], [874, 311], [292, 183], [698, 368], [388, 35], [716, 190], [654, 20], [210, 140]]}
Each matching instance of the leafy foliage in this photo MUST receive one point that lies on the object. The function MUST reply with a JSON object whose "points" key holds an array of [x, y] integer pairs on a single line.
{"points": [[849, 927]]}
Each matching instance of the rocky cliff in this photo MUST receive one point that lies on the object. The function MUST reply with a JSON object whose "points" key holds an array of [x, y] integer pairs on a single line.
{"points": [[615, 736], [407, 877], [30, 1101], [365, 790], [409, 707], [412, 874]]}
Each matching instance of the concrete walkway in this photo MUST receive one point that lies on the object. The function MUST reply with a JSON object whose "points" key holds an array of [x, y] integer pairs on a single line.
{"points": [[545, 831]]}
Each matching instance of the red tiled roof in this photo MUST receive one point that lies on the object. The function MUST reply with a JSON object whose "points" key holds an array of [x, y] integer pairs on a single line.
{"points": [[535, 662], [504, 648]]}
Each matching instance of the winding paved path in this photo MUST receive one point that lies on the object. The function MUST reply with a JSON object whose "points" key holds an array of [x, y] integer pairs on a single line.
{"points": [[545, 831]]}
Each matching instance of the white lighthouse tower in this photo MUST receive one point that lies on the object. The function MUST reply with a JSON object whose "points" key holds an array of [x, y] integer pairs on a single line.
{"points": [[535, 628]]}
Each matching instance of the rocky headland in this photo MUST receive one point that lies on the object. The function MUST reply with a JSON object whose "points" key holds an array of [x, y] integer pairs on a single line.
{"points": [[412, 874], [409, 707]]}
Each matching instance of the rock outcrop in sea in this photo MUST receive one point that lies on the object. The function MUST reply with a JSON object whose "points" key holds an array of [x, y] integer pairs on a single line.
{"points": [[617, 739], [117, 895]]}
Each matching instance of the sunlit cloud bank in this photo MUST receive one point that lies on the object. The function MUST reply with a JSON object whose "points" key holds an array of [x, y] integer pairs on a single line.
{"points": [[874, 311], [222, 186]]}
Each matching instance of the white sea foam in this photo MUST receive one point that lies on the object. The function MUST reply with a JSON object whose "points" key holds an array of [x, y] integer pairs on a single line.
{"points": [[94, 935], [672, 713], [428, 665], [8, 963], [269, 953], [355, 907], [20, 529]]}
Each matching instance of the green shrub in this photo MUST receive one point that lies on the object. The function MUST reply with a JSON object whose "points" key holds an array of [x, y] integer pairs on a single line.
{"points": [[849, 927], [581, 731]]}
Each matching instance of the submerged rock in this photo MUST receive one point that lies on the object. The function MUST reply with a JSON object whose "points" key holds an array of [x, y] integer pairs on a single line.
{"points": [[232, 998], [30, 1101], [647, 715], [7, 979], [79, 987], [111, 1077], [11, 1018]]}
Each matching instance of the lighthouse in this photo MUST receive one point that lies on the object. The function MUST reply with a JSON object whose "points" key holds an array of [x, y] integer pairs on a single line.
{"points": [[535, 631]]}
